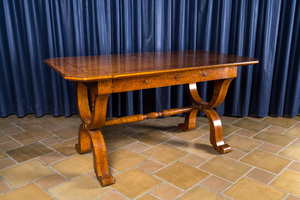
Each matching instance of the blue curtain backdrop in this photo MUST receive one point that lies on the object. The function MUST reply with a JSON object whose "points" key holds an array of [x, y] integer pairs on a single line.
{"points": [[33, 30]]}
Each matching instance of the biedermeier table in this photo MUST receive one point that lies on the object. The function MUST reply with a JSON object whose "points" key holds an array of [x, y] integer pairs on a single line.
{"points": [[102, 75]]}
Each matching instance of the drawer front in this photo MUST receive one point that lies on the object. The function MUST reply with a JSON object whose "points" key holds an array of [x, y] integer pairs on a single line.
{"points": [[173, 78]]}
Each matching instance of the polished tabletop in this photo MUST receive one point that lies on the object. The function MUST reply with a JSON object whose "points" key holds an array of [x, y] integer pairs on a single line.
{"points": [[93, 68]]}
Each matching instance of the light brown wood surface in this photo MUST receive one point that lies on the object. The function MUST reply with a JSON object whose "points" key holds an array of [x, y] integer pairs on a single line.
{"points": [[94, 68]]}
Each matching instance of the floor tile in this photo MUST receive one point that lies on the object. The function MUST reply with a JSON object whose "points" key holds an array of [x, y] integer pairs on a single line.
{"points": [[288, 181], [229, 120], [116, 140], [176, 142], [172, 120], [201, 193], [294, 132], [51, 157], [150, 166], [270, 148], [276, 129], [250, 125], [13, 130], [235, 154], [67, 147], [247, 189], [227, 129], [166, 192], [25, 172], [66, 121], [51, 180], [4, 187], [267, 161], [226, 168], [203, 119], [280, 121], [187, 135], [201, 148], [138, 147], [147, 197], [113, 196], [170, 154], [123, 159], [51, 140], [274, 138], [31, 136], [193, 160], [242, 143], [50, 126], [5, 124], [260, 175], [182, 175], [6, 162], [74, 166], [4, 138], [297, 142], [83, 187], [28, 152], [291, 197], [254, 118], [264, 166], [111, 129], [67, 132], [292, 152], [295, 166], [245, 132], [9, 145], [149, 124], [2, 155], [128, 131], [134, 182], [30, 191], [215, 183], [151, 137]]}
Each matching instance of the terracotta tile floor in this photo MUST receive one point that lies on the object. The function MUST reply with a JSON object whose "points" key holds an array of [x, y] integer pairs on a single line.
{"points": [[151, 159]]}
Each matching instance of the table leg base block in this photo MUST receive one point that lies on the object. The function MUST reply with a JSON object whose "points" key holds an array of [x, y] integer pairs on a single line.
{"points": [[184, 128], [80, 151], [106, 180], [225, 148], [84, 141]]}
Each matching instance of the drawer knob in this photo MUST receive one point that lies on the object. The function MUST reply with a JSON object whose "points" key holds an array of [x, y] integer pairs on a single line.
{"points": [[204, 74], [146, 82], [176, 77]]}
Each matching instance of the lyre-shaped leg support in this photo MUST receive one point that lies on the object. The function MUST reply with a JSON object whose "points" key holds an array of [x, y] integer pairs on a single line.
{"points": [[216, 133], [89, 134]]}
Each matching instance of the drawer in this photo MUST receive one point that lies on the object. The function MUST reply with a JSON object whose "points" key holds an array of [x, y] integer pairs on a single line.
{"points": [[172, 78]]}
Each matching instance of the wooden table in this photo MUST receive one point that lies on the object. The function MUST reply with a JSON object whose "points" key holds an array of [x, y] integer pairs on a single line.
{"points": [[106, 74]]}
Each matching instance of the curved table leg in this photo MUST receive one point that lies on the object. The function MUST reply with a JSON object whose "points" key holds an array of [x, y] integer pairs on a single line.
{"points": [[84, 141], [100, 158], [216, 133], [93, 118], [189, 122]]}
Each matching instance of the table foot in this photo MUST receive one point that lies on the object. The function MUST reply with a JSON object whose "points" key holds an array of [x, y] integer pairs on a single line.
{"points": [[105, 180], [225, 148], [84, 140], [189, 122]]}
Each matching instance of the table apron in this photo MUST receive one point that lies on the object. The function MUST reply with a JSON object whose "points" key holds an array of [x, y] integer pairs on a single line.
{"points": [[165, 79]]}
